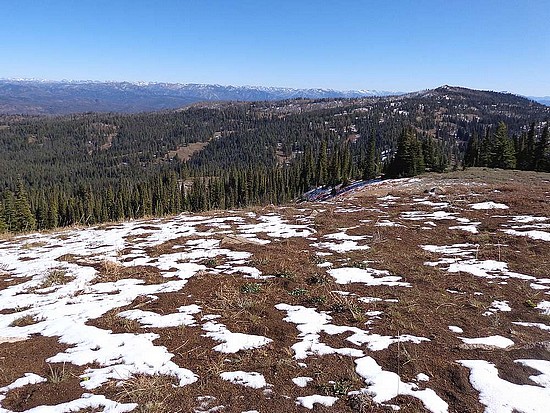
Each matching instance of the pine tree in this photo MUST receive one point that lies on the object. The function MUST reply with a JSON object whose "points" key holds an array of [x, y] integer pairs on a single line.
{"points": [[23, 219], [502, 152], [472, 155], [541, 161], [529, 156], [322, 165], [334, 177], [369, 172], [3, 226], [408, 160]]}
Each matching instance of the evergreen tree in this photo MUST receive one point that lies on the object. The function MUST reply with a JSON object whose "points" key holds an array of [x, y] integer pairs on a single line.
{"points": [[502, 150], [23, 219], [408, 160], [369, 171], [322, 165], [3, 226], [334, 177], [529, 156], [541, 161], [472, 155]]}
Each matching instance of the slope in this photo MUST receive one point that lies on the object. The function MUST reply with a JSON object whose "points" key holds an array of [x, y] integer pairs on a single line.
{"points": [[430, 294]]}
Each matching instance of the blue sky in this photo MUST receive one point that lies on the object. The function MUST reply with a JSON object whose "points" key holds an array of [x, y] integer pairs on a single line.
{"points": [[385, 45]]}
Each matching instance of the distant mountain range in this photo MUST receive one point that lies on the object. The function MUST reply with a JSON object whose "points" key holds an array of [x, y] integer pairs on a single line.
{"points": [[40, 97], [545, 100]]}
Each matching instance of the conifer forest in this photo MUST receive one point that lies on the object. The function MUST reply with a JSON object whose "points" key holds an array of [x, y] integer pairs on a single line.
{"points": [[97, 167]]}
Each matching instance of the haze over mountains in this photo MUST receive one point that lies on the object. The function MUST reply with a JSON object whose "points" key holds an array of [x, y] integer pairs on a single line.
{"points": [[37, 97]]}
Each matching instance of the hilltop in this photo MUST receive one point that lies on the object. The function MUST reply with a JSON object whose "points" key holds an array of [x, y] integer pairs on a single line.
{"points": [[430, 294]]}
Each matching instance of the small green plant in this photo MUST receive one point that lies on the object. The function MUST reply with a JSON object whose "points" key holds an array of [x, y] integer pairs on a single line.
{"points": [[317, 300], [258, 262], [251, 288], [359, 264], [316, 259], [338, 388], [211, 262], [298, 292]]}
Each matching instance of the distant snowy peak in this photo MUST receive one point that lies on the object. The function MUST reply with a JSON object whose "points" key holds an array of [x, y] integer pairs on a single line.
{"points": [[36, 96], [206, 91]]}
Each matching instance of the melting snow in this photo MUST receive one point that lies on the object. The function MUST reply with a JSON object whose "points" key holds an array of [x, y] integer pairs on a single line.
{"points": [[491, 341], [423, 215], [534, 234], [309, 401], [385, 385], [151, 319], [253, 379], [501, 396], [538, 325], [488, 205], [456, 329], [301, 381], [544, 306], [311, 323], [232, 342], [368, 276]]}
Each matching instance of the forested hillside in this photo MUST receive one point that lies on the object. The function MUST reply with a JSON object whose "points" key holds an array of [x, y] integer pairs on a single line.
{"points": [[91, 168]]}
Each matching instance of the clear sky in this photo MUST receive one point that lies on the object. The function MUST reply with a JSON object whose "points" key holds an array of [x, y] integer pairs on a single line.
{"points": [[396, 45]]}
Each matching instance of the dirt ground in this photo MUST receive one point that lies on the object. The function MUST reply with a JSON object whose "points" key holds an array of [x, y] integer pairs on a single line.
{"points": [[299, 275]]}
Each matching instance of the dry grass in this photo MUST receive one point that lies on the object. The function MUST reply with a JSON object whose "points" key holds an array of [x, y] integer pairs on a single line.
{"points": [[151, 393], [55, 277], [112, 321], [26, 320], [57, 373]]}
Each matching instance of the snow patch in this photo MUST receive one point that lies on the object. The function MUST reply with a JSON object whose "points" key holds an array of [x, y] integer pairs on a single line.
{"points": [[309, 401], [252, 379], [367, 276], [501, 396], [488, 205], [232, 342], [491, 341], [385, 385]]}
